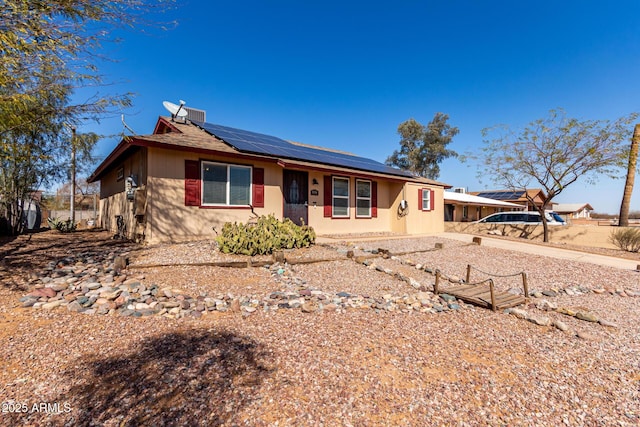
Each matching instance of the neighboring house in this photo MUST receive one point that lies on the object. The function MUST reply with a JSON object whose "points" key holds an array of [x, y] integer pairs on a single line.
{"points": [[573, 210], [188, 178], [460, 206], [518, 197]]}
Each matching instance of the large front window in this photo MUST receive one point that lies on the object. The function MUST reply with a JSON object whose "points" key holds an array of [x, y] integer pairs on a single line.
{"points": [[340, 197], [363, 198], [224, 184]]}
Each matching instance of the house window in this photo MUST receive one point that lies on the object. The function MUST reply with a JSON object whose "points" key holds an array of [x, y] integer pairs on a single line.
{"points": [[363, 199], [224, 184], [465, 212], [340, 197], [426, 200]]}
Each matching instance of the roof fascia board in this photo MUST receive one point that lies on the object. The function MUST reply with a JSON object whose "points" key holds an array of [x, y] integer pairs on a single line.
{"points": [[117, 152]]}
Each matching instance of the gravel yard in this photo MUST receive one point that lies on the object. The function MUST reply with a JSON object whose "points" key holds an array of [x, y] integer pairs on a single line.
{"points": [[346, 366]]}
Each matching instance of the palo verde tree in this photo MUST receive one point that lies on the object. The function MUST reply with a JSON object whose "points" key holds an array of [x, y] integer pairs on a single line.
{"points": [[423, 148], [553, 153], [30, 152], [49, 50]]}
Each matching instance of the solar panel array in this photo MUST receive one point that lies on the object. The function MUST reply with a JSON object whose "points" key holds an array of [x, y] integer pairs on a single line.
{"points": [[257, 143], [501, 195]]}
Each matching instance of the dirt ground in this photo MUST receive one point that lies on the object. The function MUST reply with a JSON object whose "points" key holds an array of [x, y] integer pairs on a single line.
{"points": [[352, 368]]}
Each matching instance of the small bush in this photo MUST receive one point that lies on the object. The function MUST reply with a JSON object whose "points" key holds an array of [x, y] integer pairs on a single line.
{"points": [[62, 226], [264, 237], [626, 238]]}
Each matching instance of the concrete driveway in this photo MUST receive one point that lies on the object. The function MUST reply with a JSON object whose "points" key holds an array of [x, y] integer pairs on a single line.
{"points": [[531, 248]]}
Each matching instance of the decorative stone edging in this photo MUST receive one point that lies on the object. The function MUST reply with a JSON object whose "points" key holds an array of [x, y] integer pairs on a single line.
{"points": [[96, 284], [102, 286]]}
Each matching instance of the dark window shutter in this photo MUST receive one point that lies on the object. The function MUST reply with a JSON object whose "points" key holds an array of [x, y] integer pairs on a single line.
{"points": [[374, 199], [328, 196], [192, 183], [431, 200], [258, 188], [420, 199]]}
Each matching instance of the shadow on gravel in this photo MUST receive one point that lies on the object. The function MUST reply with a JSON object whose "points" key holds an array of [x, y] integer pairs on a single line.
{"points": [[186, 378], [22, 255]]}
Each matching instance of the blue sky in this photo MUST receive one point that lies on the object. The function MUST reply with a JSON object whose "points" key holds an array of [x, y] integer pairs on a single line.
{"points": [[345, 74]]}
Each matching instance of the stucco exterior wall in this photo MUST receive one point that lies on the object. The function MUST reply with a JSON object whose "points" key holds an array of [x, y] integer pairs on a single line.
{"points": [[159, 213], [387, 193], [113, 200], [421, 222], [168, 219], [136, 165]]}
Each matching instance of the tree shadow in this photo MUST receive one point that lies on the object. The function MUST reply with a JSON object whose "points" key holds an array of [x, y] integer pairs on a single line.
{"points": [[190, 378], [23, 254]]}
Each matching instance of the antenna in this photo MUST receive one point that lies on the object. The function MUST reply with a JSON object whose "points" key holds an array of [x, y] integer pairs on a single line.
{"points": [[175, 110], [126, 126]]}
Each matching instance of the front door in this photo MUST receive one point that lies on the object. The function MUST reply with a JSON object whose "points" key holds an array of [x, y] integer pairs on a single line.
{"points": [[296, 188]]}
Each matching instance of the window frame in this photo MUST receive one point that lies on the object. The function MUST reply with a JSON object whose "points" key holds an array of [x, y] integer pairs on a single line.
{"points": [[228, 167], [426, 198], [369, 199], [334, 197]]}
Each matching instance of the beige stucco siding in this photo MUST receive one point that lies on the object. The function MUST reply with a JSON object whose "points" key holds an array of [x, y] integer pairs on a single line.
{"points": [[133, 165], [419, 221], [159, 213], [168, 219], [389, 218], [387, 193]]}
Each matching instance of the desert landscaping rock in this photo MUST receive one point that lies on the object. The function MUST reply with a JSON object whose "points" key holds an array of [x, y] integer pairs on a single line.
{"points": [[586, 316], [561, 325], [607, 323], [376, 355]]}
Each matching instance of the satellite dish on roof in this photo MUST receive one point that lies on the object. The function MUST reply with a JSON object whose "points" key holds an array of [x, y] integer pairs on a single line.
{"points": [[175, 110]]}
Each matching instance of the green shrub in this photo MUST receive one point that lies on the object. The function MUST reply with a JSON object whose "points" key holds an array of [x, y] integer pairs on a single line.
{"points": [[264, 237], [62, 226], [626, 238]]}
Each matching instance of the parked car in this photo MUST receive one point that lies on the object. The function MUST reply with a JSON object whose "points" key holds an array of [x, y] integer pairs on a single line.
{"points": [[526, 218]]}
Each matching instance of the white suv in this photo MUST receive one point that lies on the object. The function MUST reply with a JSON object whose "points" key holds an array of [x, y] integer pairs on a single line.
{"points": [[527, 218]]}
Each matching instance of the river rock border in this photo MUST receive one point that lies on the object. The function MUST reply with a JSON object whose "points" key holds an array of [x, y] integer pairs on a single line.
{"points": [[92, 283]]}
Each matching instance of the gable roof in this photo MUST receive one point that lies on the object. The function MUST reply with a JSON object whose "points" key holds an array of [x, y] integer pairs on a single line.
{"points": [[210, 138], [571, 207]]}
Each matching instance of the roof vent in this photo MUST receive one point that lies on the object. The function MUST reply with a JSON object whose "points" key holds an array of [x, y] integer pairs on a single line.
{"points": [[193, 114]]}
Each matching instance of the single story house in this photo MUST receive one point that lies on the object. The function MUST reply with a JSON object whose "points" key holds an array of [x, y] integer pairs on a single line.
{"points": [[189, 177], [460, 206], [573, 210], [519, 197]]}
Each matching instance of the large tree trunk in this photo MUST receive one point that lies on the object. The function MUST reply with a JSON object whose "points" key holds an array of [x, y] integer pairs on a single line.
{"points": [[631, 176]]}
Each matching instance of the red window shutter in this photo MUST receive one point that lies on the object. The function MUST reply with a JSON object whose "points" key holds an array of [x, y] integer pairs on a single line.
{"points": [[192, 183], [420, 199], [374, 199], [258, 188], [431, 199], [328, 196]]}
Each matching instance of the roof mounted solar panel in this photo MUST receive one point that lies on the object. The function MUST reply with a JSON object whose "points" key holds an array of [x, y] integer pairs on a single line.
{"points": [[501, 195], [257, 143]]}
